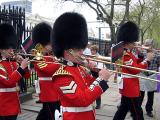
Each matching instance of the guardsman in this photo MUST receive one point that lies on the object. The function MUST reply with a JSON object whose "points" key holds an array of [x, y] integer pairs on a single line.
{"points": [[130, 88], [76, 88], [41, 39], [10, 73]]}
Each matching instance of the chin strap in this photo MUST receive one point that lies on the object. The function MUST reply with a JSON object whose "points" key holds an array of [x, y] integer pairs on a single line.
{"points": [[79, 59]]}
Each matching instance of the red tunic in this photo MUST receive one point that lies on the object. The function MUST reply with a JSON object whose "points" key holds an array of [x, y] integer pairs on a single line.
{"points": [[77, 91], [131, 86], [9, 94], [47, 93]]}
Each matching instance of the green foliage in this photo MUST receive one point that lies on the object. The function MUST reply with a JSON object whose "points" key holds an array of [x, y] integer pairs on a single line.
{"points": [[147, 16]]}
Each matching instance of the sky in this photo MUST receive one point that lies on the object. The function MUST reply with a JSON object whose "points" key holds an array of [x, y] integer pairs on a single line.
{"points": [[52, 9]]}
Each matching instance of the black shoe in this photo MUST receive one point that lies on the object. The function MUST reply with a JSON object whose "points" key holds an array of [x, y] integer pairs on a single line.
{"points": [[98, 107], [118, 106], [149, 114], [38, 101]]}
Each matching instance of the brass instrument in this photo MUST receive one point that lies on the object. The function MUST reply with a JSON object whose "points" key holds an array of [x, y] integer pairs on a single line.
{"points": [[36, 54], [98, 57], [37, 58], [135, 76], [102, 59], [147, 48], [108, 62], [105, 60]]}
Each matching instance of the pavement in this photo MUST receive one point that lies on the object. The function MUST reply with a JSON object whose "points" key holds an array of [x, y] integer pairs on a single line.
{"points": [[110, 100]]}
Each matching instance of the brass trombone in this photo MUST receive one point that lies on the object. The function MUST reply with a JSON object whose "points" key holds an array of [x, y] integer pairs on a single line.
{"points": [[102, 59], [106, 60], [147, 48], [154, 80]]}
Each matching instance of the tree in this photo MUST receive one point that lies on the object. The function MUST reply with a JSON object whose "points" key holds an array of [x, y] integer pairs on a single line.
{"points": [[146, 14], [105, 11]]}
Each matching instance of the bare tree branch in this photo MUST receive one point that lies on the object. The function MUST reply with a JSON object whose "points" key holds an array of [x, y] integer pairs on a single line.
{"points": [[112, 9], [100, 6], [126, 14], [93, 8]]}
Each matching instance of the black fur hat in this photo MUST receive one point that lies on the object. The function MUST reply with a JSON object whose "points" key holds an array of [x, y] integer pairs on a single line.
{"points": [[69, 31], [8, 37], [41, 34], [128, 33]]}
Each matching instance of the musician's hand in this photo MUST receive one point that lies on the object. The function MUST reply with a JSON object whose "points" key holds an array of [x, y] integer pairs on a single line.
{"points": [[150, 56], [105, 74], [24, 63]]}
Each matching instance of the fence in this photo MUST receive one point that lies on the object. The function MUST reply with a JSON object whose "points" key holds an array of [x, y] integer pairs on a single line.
{"points": [[104, 46], [16, 17], [27, 83]]}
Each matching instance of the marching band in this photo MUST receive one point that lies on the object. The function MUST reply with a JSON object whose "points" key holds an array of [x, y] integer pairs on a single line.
{"points": [[65, 84]]}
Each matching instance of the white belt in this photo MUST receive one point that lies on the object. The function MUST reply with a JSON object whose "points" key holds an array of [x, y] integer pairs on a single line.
{"points": [[127, 76], [14, 89], [45, 78], [77, 109]]}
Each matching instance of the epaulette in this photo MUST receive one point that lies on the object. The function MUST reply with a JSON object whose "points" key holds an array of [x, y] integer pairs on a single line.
{"points": [[2, 68], [119, 61], [42, 64], [61, 72]]}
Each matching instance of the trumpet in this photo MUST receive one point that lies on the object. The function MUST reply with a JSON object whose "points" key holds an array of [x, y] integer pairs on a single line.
{"points": [[38, 57]]}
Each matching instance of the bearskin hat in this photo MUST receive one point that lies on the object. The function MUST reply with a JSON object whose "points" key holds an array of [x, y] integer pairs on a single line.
{"points": [[128, 32], [8, 37], [41, 34], [69, 31]]}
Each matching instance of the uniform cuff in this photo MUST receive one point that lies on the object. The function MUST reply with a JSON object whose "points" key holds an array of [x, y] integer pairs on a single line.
{"points": [[21, 71], [148, 62], [103, 84]]}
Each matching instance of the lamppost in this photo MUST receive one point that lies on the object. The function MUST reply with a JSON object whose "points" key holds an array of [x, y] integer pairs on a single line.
{"points": [[100, 33], [99, 36]]}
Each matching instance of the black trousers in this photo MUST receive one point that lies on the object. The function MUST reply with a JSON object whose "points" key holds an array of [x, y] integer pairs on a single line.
{"points": [[98, 102], [150, 99], [12, 117], [132, 105], [22, 85], [48, 111]]}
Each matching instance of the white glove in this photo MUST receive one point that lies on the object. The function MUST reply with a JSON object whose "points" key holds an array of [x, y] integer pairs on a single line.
{"points": [[57, 115]]}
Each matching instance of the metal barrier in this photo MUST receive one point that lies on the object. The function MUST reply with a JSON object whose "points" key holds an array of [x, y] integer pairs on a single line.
{"points": [[27, 83]]}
